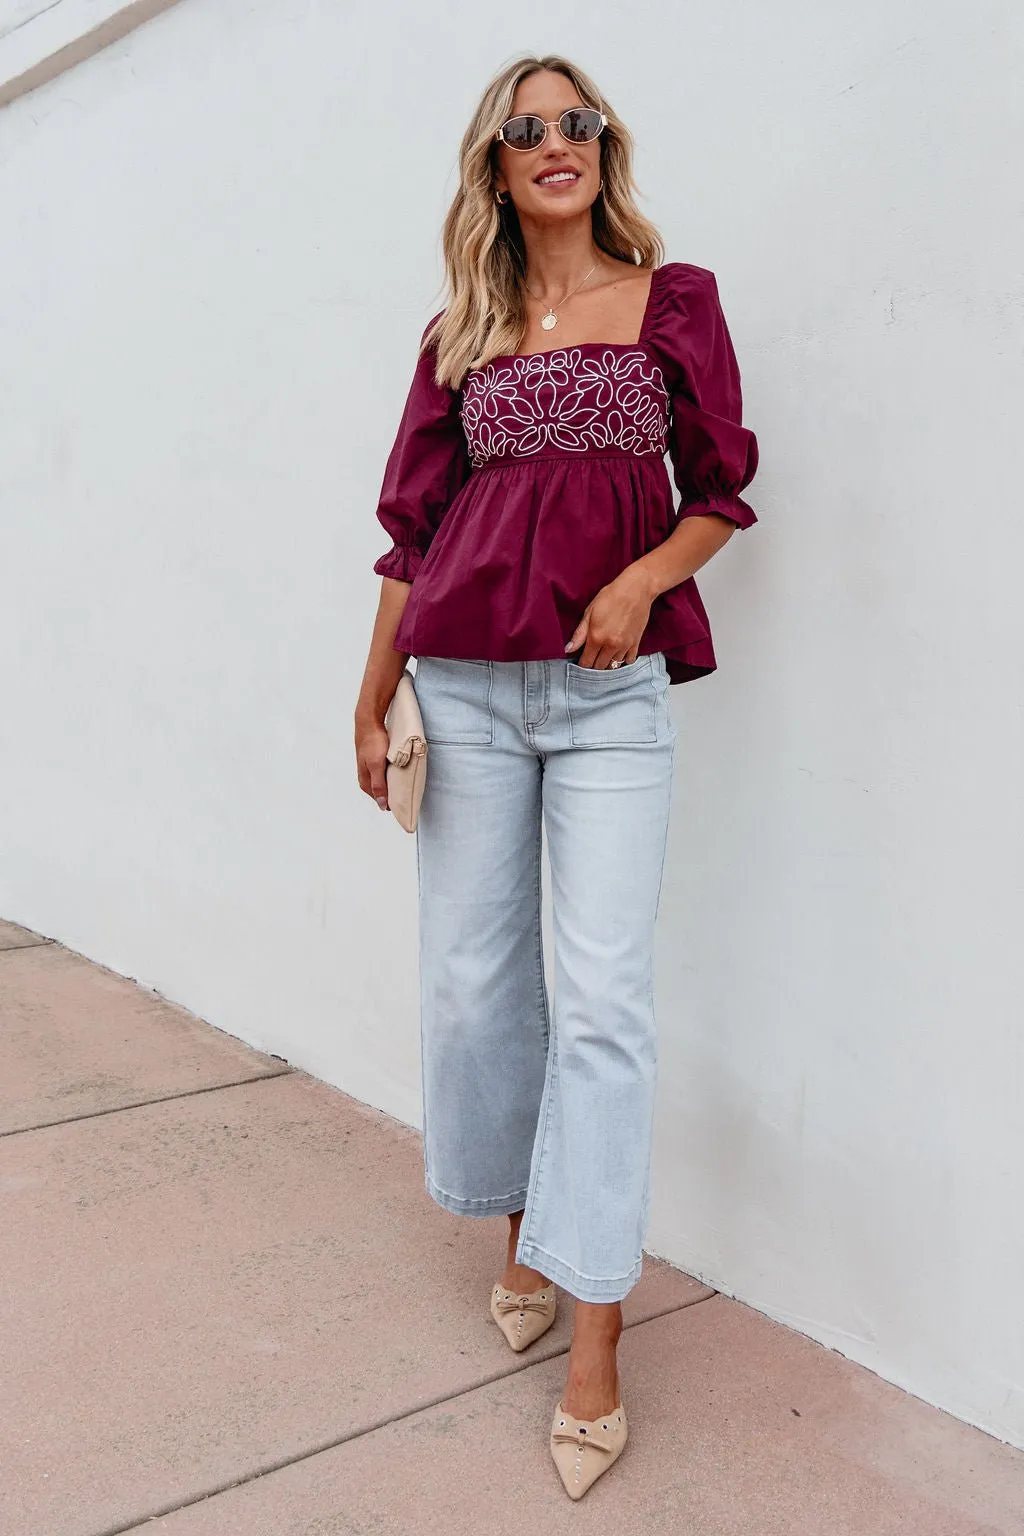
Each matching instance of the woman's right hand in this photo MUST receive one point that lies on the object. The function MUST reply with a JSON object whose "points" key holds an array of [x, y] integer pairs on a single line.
{"points": [[372, 759], [384, 667]]}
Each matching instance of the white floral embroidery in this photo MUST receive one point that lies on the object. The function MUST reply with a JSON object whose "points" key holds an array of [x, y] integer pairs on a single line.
{"points": [[567, 399]]}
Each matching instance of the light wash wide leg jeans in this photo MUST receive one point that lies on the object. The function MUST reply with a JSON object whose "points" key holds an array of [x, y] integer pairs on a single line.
{"points": [[526, 1108]]}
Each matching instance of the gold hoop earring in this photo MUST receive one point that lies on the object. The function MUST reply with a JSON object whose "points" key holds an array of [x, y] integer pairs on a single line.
{"points": [[501, 201]]}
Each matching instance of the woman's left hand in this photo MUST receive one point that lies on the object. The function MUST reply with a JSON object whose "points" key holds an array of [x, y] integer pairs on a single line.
{"points": [[613, 623]]}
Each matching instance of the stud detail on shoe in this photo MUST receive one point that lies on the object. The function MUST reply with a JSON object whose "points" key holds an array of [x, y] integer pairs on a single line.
{"points": [[524, 1317], [595, 1446]]}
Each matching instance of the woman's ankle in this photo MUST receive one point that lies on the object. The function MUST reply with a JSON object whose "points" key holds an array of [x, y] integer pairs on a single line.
{"points": [[515, 1276], [597, 1323], [522, 1279]]}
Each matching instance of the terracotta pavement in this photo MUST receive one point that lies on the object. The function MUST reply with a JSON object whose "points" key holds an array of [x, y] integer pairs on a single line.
{"points": [[229, 1308]]}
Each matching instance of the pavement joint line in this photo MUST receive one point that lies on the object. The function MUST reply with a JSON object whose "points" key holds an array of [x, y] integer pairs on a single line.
{"points": [[144, 1521], [9, 949], [164, 1098]]}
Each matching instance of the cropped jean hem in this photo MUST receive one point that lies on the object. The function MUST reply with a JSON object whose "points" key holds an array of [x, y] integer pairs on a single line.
{"points": [[496, 1205], [583, 1287]]}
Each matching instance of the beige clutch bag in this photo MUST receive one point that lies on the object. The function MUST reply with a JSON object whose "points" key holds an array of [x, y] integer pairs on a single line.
{"points": [[407, 754]]}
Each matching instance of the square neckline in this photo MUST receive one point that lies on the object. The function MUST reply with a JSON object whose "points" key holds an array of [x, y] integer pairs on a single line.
{"points": [[629, 346]]}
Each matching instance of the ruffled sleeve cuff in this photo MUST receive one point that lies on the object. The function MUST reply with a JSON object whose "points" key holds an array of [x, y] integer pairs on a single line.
{"points": [[732, 507], [401, 562]]}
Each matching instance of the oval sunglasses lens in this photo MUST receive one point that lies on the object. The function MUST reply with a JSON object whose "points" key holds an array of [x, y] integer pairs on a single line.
{"points": [[580, 124], [523, 132]]}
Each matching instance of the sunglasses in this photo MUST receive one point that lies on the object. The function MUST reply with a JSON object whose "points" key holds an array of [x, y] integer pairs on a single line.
{"points": [[577, 125]]}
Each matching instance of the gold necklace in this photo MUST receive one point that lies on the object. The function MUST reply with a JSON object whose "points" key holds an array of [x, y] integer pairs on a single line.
{"points": [[550, 320]]}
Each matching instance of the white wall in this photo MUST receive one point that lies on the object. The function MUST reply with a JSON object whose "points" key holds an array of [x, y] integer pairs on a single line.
{"points": [[40, 39], [220, 243]]}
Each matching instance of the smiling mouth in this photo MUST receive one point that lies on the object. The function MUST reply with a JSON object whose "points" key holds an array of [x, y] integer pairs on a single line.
{"points": [[557, 178]]}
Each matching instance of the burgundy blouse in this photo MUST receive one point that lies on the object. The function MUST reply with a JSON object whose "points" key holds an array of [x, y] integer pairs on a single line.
{"points": [[514, 499]]}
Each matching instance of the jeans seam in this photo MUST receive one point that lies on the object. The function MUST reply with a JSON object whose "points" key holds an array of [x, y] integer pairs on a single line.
{"points": [[549, 1093], [645, 1204], [423, 1054], [538, 929], [530, 726]]}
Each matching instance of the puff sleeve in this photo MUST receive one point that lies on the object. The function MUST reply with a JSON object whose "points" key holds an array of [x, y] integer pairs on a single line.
{"points": [[427, 465], [713, 455]]}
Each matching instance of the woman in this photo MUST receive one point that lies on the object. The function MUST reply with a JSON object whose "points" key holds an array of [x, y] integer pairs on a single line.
{"points": [[544, 581]]}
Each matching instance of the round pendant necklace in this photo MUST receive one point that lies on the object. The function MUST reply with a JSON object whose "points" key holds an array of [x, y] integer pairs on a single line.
{"points": [[550, 320]]}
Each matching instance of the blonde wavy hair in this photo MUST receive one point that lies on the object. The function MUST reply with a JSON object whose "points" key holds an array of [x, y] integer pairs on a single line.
{"points": [[484, 253]]}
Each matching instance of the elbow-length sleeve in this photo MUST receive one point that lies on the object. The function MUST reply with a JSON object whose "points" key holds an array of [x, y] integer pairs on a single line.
{"points": [[427, 465], [713, 455]]}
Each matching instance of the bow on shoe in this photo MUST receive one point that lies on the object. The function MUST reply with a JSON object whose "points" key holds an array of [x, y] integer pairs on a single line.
{"points": [[600, 1439], [523, 1304]]}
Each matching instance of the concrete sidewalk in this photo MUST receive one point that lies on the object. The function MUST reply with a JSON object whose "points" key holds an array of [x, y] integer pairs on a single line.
{"points": [[229, 1306]]}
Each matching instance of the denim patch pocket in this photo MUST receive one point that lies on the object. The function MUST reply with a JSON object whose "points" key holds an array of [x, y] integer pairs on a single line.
{"points": [[615, 706], [455, 701]]}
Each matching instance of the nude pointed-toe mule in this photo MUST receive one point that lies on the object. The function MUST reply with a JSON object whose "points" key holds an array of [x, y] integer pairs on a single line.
{"points": [[523, 1316], [585, 1448]]}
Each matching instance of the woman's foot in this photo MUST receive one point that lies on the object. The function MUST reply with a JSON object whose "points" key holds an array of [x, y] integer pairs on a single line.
{"points": [[523, 1303], [592, 1381], [519, 1278]]}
